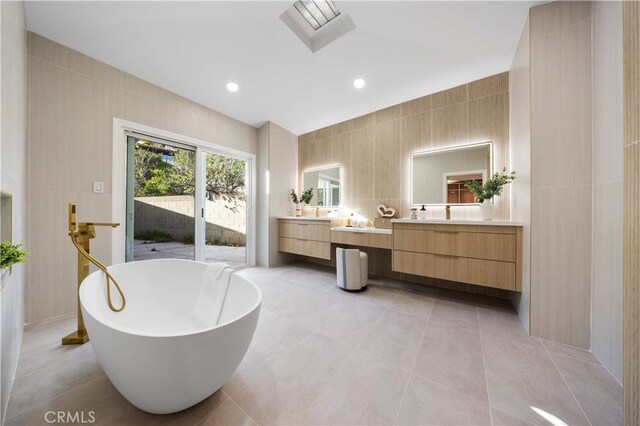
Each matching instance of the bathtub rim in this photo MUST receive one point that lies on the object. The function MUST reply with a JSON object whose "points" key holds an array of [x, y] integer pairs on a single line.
{"points": [[137, 333]]}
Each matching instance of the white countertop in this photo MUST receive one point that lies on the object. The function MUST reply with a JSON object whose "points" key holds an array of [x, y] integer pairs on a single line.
{"points": [[459, 222], [311, 218], [362, 230]]}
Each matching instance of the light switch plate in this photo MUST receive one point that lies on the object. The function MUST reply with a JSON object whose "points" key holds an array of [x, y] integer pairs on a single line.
{"points": [[98, 187]]}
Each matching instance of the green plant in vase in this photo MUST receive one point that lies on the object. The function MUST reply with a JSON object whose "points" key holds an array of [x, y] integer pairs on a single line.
{"points": [[302, 199], [10, 254], [491, 188]]}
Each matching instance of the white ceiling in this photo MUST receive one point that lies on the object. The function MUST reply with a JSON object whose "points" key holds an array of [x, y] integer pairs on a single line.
{"points": [[402, 49]]}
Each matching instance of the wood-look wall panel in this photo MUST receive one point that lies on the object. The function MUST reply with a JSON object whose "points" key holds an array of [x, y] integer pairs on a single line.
{"points": [[563, 14], [561, 172], [631, 218], [455, 95], [417, 106], [561, 106], [361, 169], [376, 162], [631, 273], [450, 125], [631, 71], [388, 166]]}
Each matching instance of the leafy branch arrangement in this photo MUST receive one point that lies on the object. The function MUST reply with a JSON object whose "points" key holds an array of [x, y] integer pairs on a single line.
{"points": [[304, 198], [492, 186], [11, 254]]}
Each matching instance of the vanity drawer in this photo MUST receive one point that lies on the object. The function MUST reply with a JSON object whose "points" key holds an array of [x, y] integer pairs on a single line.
{"points": [[305, 247], [475, 245], [305, 230], [409, 240], [490, 273], [365, 239], [486, 273]]}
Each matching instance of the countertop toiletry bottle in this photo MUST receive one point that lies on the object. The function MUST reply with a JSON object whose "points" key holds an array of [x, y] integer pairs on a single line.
{"points": [[414, 213], [447, 212], [423, 213], [350, 223], [317, 211]]}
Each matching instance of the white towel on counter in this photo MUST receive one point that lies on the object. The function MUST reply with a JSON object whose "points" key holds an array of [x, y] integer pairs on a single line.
{"points": [[213, 291]]}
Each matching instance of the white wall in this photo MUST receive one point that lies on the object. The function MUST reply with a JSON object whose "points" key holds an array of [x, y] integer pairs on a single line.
{"points": [[13, 142], [520, 150], [606, 291]]}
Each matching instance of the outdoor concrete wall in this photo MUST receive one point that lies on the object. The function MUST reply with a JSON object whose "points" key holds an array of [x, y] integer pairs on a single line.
{"points": [[174, 215]]}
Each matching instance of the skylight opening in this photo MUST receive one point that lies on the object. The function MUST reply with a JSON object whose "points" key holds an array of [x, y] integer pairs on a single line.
{"points": [[317, 12]]}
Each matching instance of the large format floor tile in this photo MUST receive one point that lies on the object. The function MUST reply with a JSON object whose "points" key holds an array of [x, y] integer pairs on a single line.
{"points": [[292, 383], [395, 338], [598, 393], [524, 382], [365, 391], [428, 403], [453, 357], [397, 353]]}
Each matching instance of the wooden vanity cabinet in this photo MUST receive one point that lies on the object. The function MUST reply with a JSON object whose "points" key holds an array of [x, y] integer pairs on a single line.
{"points": [[485, 255], [307, 237]]}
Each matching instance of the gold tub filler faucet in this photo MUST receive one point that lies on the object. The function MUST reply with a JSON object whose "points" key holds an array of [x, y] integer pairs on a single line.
{"points": [[81, 238]]}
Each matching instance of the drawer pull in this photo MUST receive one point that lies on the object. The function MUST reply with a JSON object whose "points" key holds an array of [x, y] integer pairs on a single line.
{"points": [[446, 232], [302, 224], [301, 239]]}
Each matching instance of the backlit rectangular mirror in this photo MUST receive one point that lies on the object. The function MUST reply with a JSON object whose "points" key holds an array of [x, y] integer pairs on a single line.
{"points": [[438, 176], [327, 191]]}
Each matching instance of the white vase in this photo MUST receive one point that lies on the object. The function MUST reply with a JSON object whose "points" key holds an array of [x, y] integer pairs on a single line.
{"points": [[6, 272], [298, 209], [486, 210]]}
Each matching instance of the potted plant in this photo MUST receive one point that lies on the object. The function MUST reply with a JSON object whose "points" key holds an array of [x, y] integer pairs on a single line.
{"points": [[10, 254], [492, 187], [304, 198]]}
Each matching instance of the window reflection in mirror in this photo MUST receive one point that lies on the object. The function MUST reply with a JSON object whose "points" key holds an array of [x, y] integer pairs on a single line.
{"points": [[326, 186], [439, 176]]}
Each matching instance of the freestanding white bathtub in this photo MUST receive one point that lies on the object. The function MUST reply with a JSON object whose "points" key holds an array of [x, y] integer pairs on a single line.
{"points": [[154, 352]]}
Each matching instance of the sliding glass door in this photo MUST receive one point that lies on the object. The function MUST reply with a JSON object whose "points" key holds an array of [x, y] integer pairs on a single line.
{"points": [[224, 209], [160, 200], [185, 202]]}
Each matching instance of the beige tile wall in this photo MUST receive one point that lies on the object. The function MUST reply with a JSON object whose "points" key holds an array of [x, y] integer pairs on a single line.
{"points": [[72, 102], [561, 170], [631, 221], [374, 150]]}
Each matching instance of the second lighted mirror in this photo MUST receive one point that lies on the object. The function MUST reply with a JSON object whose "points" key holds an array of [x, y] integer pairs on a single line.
{"points": [[438, 176], [326, 186]]}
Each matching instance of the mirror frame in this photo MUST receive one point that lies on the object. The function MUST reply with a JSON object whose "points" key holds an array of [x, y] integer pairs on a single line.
{"points": [[447, 149], [316, 169]]}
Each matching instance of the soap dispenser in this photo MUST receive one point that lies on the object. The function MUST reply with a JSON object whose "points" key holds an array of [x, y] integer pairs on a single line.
{"points": [[423, 213]]}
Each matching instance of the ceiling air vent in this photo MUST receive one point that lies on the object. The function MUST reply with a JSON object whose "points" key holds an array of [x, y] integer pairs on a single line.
{"points": [[317, 12]]}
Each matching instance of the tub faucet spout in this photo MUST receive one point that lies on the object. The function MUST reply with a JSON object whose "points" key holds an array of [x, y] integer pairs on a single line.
{"points": [[81, 234]]}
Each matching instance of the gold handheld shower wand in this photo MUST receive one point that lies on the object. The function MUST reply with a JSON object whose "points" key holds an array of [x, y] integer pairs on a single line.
{"points": [[80, 238]]}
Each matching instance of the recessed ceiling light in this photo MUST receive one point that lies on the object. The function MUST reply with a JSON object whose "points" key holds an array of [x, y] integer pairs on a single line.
{"points": [[358, 83], [232, 87]]}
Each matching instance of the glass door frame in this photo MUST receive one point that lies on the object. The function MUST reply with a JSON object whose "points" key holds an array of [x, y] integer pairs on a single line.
{"points": [[119, 186]]}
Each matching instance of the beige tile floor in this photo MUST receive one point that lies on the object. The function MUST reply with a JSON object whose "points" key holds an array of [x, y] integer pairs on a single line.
{"points": [[389, 355]]}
